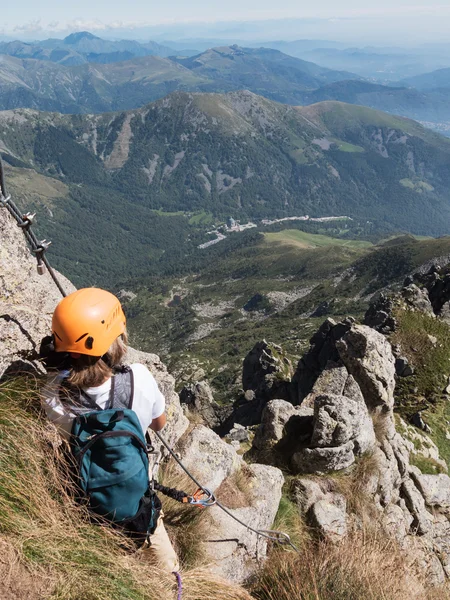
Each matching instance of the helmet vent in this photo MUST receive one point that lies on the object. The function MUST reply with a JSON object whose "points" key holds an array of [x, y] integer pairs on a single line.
{"points": [[89, 342], [81, 337], [57, 336]]}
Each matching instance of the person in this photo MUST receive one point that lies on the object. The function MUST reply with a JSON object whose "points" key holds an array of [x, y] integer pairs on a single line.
{"points": [[90, 342]]}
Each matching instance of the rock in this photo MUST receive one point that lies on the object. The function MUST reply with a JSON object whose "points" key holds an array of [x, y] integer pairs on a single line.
{"points": [[402, 367], [234, 552], [267, 372], [238, 434], [27, 301], [307, 493], [198, 399], [418, 421], [368, 357], [323, 460], [394, 522], [433, 339], [274, 418], [417, 299], [435, 489], [338, 420], [210, 459], [422, 519], [323, 309], [379, 315], [330, 517]]}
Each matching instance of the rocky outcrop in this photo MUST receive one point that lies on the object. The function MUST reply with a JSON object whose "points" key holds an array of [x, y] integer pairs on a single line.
{"points": [[27, 301], [346, 386], [380, 316], [266, 371], [233, 551], [197, 401]]}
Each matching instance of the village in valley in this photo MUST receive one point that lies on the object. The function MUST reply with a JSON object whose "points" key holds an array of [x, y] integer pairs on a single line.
{"points": [[233, 226]]}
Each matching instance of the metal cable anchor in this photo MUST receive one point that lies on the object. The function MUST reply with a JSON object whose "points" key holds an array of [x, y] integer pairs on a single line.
{"points": [[28, 220], [4, 200], [39, 252]]}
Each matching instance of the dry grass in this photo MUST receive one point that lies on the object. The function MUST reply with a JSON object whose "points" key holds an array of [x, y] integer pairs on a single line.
{"points": [[363, 567], [187, 525], [53, 537], [235, 491]]}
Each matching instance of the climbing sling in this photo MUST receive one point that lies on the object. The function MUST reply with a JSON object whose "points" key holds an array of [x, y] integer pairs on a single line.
{"points": [[111, 457]]}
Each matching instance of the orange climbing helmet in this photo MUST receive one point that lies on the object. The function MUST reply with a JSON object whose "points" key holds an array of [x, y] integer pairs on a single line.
{"points": [[87, 322]]}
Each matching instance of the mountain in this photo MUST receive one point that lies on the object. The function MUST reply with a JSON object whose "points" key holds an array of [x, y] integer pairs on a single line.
{"points": [[119, 190], [423, 106], [83, 47], [383, 65], [263, 71], [86, 88], [439, 79], [91, 88]]}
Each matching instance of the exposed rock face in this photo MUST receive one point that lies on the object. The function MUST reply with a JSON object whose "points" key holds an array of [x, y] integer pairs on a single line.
{"points": [[207, 457], [346, 383], [417, 299], [379, 315], [27, 301], [197, 398], [266, 371], [234, 551], [368, 357], [274, 418], [322, 507], [177, 423]]}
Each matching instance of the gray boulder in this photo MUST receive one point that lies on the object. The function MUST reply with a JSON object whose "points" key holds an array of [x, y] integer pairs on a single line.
{"points": [[233, 551], [330, 517], [210, 459], [417, 299], [238, 433], [274, 418], [177, 423], [435, 490], [368, 357], [323, 460]]}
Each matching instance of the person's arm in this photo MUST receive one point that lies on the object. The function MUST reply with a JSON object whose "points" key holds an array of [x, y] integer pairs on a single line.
{"points": [[158, 423]]}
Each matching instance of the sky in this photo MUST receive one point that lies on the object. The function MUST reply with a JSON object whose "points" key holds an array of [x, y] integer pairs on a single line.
{"points": [[289, 19]]}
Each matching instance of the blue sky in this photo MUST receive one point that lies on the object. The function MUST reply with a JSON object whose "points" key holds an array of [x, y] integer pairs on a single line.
{"points": [[416, 17]]}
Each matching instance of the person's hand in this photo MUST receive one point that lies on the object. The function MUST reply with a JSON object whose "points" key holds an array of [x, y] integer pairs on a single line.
{"points": [[51, 359]]}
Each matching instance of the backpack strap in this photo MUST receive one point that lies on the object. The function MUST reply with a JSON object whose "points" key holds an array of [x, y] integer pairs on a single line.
{"points": [[122, 389]]}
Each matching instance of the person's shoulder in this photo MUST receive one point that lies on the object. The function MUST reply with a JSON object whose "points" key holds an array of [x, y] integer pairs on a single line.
{"points": [[140, 371]]}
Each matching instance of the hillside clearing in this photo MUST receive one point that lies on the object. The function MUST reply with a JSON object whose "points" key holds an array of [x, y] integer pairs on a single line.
{"points": [[302, 239]]}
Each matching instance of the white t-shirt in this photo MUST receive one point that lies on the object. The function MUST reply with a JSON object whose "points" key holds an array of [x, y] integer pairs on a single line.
{"points": [[148, 401]]}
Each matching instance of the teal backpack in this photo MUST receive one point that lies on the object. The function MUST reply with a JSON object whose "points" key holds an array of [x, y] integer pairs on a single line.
{"points": [[111, 457]]}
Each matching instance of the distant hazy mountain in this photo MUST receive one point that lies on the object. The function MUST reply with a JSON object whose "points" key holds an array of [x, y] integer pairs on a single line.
{"points": [[423, 106], [101, 87], [439, 79], [379, 64], [263, 71], [83, 47], [238, 154]]}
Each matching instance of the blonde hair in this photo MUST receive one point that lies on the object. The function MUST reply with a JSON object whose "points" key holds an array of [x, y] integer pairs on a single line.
{"points": [[92, 371]]}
